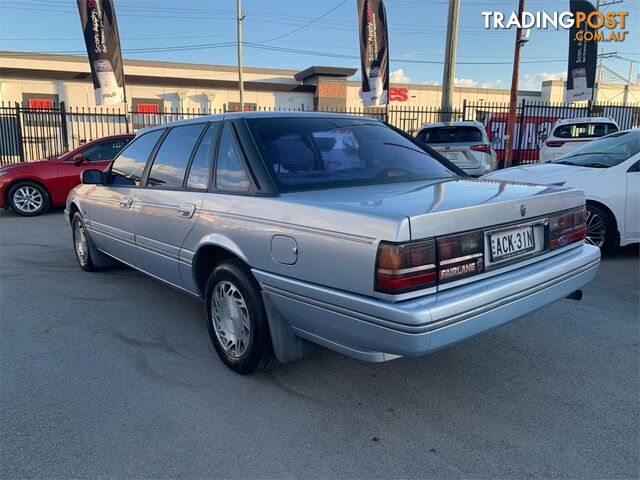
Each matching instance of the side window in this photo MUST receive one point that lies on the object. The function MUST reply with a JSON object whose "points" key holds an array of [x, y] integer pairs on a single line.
{"points": [[201, 164], [128, 167], [171, 161], [104, 151], [635, 168], [230, 172]]}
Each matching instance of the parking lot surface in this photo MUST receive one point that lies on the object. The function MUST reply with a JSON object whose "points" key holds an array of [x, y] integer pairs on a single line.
{"points": [[112, 374]]}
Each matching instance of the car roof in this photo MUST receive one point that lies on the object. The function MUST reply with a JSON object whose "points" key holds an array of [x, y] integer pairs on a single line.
{"points": [[465, 123], [570, 121], [271, 114]]}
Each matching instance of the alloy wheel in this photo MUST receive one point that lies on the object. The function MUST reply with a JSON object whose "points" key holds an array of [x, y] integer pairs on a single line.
{"points": [[80, 242], [230, 317], [596, 229], [28, 199]]}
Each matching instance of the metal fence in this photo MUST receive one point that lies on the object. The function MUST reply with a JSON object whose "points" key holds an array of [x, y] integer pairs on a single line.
{"points": [[29, 134]]}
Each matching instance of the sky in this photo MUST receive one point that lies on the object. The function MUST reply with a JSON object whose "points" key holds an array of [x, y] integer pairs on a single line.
{"points": [[295, 34]]}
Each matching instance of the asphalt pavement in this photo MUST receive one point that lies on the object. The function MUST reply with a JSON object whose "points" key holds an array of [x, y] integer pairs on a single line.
{"points": [[112, 375]]}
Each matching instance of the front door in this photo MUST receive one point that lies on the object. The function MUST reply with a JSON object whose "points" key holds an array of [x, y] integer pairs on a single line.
{"points": [[168, 206], [96, 156], [632, 207], [109, 207]]}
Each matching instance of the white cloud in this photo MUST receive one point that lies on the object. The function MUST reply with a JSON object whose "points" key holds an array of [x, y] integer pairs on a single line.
{"points": [[465, 82], [534, 82], [496, 84], [431, 82], [398, 76]]}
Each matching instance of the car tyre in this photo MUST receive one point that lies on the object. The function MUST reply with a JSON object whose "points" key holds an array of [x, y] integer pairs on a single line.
{"points": [[29, 199], [82, 243], [600, 227], [237, 320]]}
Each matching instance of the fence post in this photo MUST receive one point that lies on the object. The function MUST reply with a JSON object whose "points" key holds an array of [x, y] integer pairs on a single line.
{"points": [[19, 133], [126, 117], [464, 109], [589, 107], [523, 106], [63, 126]]}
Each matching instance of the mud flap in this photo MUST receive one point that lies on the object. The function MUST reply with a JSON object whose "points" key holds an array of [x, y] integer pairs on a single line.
{"points": [[286, 345]]}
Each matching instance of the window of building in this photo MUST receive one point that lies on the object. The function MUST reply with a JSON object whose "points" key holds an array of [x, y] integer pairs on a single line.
{"points": [[148, 108], [235, 107], [40, 103], [128, 167], [201, 165], [230, 172], [171, 161]]}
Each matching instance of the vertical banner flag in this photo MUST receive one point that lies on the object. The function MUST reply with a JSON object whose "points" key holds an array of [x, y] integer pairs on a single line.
{"points": [[583, 57], [98, 18], [374, 52]]}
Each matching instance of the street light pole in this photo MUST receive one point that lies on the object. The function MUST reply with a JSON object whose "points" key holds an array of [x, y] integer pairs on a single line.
{"points": [[449, 72], [513, 98], [240, 17]]}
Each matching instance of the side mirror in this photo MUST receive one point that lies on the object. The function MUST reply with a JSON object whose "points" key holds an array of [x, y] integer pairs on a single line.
{"points": [[79, 159], [494, 140], [93, 177]]}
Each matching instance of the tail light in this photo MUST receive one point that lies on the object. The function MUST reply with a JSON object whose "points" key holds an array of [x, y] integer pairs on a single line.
{"points": [[481, 148], [567, 227], [460, 256], [406, 267], [554, 143]]}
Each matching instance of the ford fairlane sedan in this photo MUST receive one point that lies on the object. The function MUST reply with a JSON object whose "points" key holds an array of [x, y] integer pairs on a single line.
{"points": [[299, 229]]}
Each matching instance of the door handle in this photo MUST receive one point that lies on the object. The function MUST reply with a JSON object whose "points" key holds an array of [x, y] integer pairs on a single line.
{"points": [[186, 210], [126, 203]]}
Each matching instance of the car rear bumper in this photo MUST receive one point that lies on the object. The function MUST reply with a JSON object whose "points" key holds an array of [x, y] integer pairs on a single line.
{"points": [[375, 330]]}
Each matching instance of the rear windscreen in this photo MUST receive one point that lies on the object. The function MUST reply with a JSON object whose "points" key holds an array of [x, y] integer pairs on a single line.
{"points": [[322, 152], [451, 135]]}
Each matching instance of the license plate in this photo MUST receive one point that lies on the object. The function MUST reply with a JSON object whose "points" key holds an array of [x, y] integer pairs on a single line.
{"points": [[511, 243], [451, 156]]}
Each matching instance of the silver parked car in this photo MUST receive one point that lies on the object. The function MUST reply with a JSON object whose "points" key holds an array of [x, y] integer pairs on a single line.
{"points": [[300, 229], [464, 143]]}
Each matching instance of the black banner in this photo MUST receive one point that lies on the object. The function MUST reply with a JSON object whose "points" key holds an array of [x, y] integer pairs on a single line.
{"points": [[374, 52], [98, 18], [583, 56]]}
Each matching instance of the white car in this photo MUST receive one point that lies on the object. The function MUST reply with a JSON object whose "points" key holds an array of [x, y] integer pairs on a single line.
{"points": [[571, 133], [607, 170], [466, 144]]}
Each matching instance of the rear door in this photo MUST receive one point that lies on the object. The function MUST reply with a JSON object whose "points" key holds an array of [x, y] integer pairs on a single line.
{"points": [[455, 142], [168, 205], [109, 207]]}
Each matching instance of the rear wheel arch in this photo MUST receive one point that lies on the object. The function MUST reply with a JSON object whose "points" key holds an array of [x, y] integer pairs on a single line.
{"points": [[207, 258]]}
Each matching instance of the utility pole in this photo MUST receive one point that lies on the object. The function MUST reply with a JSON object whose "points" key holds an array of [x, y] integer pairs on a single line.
{"points": [[239, 28], [513, 98], [449, 73]]}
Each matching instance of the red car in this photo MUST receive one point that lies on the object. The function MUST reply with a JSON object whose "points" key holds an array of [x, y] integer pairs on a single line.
{"points": [[30, 188]]}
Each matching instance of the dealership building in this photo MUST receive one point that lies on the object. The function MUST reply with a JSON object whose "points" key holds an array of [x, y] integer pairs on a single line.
{"points": [[42, 80]]}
